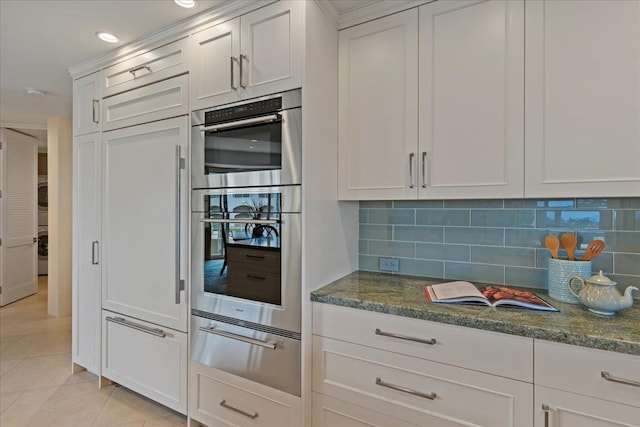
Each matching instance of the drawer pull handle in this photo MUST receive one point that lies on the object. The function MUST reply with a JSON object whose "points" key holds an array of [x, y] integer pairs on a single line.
{"points": [[255, 256], [432, 341], [546, 409], [153, 331], [251, 276], [212, 330], [607, 376], [224, 404], [430, 396], [143, 67]]}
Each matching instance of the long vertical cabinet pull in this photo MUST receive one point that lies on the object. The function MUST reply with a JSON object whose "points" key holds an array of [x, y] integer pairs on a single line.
{"points": [[546, 410], [233, 86], [424, 169], [93, 114], [411, 156], [179, 167], [242, 85], [94, 252]]}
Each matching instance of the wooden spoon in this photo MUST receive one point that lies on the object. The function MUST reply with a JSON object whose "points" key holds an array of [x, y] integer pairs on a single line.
{"points": [[593, 250], [552, 243], [569, 243]]}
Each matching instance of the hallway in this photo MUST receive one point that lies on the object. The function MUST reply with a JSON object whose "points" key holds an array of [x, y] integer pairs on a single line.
{"points": [[36, 384]]}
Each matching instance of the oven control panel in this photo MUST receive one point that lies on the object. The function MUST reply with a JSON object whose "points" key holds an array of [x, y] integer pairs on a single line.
{"points": [[243, 111]]}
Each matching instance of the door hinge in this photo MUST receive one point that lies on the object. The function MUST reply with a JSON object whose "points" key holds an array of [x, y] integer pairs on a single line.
{"points": [[0, 194], [182, 163], [181, 284], [0, 145], [0, 290]]}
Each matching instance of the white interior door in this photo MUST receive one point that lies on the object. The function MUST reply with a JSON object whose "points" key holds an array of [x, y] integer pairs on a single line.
{"points": [[18, 205]]}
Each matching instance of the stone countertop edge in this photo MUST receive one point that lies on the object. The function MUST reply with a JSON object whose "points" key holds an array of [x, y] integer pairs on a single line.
{"points": [[404, 296]]}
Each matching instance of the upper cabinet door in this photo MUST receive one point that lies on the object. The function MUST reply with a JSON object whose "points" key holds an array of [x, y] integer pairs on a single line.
{"points": [[271, 49], [86, 104], [583, 98], [378, 104], [214, 67], [471, 99]]}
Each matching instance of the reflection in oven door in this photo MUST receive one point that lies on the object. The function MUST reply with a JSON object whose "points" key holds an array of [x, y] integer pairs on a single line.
{"points": [[267, 358]]}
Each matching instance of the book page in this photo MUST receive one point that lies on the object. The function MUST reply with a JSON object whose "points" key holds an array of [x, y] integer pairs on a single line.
{"points": [[498, 295], [458, 289]]}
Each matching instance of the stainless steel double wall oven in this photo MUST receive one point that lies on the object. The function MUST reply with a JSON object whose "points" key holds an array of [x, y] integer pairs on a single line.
{"points": [[246, 233]]}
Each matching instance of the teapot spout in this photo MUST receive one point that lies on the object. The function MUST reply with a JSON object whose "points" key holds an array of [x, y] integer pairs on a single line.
{"points": [[627, 299]]}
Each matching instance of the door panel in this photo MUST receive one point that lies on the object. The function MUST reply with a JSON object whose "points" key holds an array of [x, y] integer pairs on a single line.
{"points": [[142, 213], [18, 207]]}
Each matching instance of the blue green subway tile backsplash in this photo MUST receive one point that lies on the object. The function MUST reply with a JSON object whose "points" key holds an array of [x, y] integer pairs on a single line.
{"points": [[499, 241]]}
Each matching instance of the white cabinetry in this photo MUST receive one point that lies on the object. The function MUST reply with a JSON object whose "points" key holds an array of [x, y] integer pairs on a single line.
{"points": [[471, 88], [144, 222], [146, 68], [466, 79], [256, 54], [219, 398], [420, 376], [146, 358], [86, 302], [86, 104], [583, 98], [378, 106], [578, 394]]}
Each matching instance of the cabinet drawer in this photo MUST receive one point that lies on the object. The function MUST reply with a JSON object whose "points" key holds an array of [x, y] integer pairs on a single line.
{"points": [[138, 356], [579, 370], [157, 64], [390, 382], [329, 412], [168, 98], [506, 355], [219, 398], [259, 258]]}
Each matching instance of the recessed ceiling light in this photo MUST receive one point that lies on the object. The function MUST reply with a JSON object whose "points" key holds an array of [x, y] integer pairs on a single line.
{"points": [[35, 92], [107, 37], [186, 3]]}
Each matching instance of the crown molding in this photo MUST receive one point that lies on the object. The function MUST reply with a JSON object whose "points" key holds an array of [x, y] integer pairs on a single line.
{"points": [[330, 11], [374, 10], [223, 12]]}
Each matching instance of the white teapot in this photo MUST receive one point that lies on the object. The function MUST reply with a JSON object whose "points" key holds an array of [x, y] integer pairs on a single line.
{"points": [[600, 294]]}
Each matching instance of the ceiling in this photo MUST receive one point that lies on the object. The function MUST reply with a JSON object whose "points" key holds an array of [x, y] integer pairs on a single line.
{"points": [[41, 39]]}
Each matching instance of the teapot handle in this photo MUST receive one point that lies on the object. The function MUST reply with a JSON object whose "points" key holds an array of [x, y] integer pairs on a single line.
{"points": [[571, 279]]}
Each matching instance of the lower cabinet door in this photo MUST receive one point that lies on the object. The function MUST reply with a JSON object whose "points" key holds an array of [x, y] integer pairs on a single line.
{"points": [[329, 412], [218, 398], [563, 409], [145, 358]]}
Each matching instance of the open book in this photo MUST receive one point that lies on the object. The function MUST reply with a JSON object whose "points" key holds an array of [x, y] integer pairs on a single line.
{"points": [[467, 293]]}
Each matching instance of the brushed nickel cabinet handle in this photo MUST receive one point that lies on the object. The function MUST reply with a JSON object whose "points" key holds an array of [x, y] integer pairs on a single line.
{"points": [[411, 156], [424, 167], [93, 114], [430, 396], [224, 404], [607, 376], [546, 409], [142, 67], [233, 86], [152, 331], [432, 341], [179, 167], [242, 85], [94, 252]]}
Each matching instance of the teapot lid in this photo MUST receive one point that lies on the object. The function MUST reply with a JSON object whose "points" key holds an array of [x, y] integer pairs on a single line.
{"points": [[600, 279]]}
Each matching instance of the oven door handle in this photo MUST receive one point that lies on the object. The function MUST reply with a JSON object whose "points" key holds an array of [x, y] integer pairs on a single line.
{"points": [[212, 330], [240, 123], [241, 221]]}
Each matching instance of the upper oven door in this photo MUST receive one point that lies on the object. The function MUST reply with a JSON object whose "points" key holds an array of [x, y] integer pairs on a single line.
{"points": [[258, 151], [246, 254]]}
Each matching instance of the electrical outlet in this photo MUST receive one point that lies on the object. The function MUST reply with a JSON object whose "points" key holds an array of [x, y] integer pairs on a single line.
{"points": [[389, 264]]}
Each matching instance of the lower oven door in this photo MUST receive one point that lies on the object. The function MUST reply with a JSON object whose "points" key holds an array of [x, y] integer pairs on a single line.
{"points": [[263, 357]]}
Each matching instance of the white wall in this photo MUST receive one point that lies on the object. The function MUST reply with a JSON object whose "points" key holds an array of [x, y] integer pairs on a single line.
{"points": [[60, 168]]}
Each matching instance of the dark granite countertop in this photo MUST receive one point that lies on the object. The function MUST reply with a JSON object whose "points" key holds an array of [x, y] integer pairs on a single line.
{"points": [[404, 296]]}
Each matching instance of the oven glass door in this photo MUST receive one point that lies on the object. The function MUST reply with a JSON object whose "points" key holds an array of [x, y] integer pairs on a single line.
{"points": [[250, 148], [242, 253]]}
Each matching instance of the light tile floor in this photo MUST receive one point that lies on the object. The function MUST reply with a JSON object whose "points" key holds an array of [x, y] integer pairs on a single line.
{"points": [[37, 387]]}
